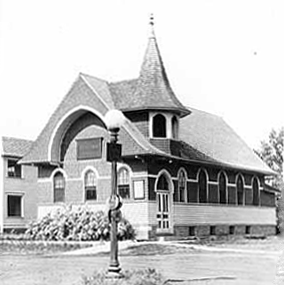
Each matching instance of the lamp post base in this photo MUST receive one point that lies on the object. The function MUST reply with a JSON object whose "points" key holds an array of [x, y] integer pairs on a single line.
{"points": [[114, 272]]}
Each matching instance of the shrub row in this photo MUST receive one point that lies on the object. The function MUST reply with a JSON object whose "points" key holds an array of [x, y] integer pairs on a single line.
{"points": [[77, 225], [147, 276]]}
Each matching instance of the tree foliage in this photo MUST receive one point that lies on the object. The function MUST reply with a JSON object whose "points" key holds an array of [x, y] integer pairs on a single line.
{"points": [[271, 152]]}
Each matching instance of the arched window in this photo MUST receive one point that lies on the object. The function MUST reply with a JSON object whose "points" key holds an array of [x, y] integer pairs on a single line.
{"points": [[124, 183], [90, 185], [59, 187], [202, 186], [181, 185], [222, 188], [240, 190], [174, 127], [163, 183], [255, 192], [159, 126]]}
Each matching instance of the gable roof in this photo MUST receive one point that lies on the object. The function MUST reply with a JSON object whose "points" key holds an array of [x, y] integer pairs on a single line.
{"points": [[204, 137], [15, 147], [211, 135]]}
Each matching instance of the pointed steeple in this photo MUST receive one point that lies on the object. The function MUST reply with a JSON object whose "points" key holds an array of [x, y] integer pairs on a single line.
{"points": [[152, 90], [153, 87]]}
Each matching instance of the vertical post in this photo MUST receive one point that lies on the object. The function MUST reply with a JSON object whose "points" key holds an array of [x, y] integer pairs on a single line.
{"points": [[114, 268]]}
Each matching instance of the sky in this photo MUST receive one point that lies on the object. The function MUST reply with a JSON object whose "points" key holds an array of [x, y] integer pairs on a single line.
{"points": [[222, 56]]}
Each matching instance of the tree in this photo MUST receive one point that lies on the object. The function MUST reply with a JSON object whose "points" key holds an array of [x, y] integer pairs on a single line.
{"points": [[272, 152]]}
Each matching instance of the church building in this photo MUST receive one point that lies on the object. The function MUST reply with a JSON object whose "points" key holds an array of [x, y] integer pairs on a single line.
{"points": [[183, 172]]}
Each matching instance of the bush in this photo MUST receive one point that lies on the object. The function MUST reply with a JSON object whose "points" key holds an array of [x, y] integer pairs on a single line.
{"points": [[80, 225], [134, 277]]}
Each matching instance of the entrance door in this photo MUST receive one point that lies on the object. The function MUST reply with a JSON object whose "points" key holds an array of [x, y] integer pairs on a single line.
{"points": [[163, 215], [163, 203]]}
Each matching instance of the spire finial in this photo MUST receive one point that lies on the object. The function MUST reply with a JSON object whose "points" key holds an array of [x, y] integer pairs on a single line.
{"points": [[151, 22]]}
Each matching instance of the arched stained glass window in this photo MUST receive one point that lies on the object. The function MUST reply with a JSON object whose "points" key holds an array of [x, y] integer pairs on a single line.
{"points": [[255, 192], [124, 183], [181, 186], [159, 126], [222, 188], [59, 187], [202, 186], [240, 190], [90, 185]]}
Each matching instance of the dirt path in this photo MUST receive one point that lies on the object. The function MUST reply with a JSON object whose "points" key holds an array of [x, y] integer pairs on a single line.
{"points": [[228, 268]]}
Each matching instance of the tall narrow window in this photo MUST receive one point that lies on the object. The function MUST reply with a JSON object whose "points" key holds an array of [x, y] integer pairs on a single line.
{"points": [[59, 187], [14, 206], [181, 186], [222, 188], [124, 183], [240, 190], [174, 127], [202, 187], [159, 126], [90, 186], [255, 192]]}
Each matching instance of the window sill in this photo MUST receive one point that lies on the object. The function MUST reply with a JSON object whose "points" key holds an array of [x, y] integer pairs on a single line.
{"points": [[165, 232], [14, 177], [15, 218]]}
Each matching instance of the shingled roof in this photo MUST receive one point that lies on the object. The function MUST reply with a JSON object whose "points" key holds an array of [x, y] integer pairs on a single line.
{"points": [[204, 138], [15, 147], [210, 135], [152, 90]]}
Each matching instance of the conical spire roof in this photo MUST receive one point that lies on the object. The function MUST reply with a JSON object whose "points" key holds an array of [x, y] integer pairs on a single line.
{"points": [[152, 89]]}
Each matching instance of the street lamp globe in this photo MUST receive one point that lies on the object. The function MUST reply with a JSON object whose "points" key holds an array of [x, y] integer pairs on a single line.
{"points": [[114, 119]]}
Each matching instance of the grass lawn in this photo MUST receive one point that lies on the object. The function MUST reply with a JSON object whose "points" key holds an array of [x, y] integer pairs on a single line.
{"points": [[34, 264]]}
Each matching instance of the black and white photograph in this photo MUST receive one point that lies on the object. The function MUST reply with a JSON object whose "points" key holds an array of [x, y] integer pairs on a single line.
{"points": [[141, 142]]}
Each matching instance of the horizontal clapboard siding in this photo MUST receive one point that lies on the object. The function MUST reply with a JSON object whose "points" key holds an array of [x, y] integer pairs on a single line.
{"points": [[199, 214]]}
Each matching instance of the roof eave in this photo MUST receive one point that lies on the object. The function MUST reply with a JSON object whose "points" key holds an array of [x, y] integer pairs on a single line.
{"points": [[180, 111]]}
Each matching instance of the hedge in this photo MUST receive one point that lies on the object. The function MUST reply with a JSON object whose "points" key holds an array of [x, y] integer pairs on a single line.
{"points": [[77, 225]]}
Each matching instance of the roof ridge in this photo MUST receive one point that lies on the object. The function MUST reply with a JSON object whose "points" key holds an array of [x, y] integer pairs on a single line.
{"points": [[122, 81]]}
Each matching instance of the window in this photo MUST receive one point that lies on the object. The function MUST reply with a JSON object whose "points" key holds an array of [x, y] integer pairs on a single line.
{"points": [[14, 206], [159, 126], [89, 148], [181, 186], [59, 187], [174, 127], [90, 186], [212, 230], [124, 183], [231, 230], [163, 183], [191, 231], [202, 186], [247, 230], [14, 169], [255, 192], [222, 188], [240, 190]]}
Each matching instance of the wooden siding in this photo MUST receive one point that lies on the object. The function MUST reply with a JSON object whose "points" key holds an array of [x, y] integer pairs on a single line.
{"points": [[231, 215]]}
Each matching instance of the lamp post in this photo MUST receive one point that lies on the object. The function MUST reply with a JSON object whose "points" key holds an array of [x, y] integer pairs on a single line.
{"points": [[114, 120]]}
